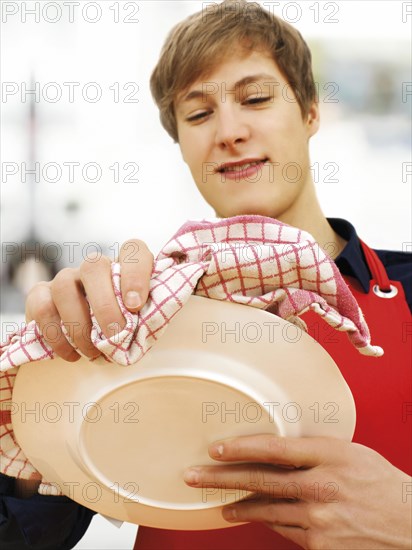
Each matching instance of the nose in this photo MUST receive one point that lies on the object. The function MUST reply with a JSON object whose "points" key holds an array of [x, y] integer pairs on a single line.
{"points": [[231, 129]]}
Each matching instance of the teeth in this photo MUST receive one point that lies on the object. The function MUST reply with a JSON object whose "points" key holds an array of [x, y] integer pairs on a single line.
{"points": [[239, 168]]}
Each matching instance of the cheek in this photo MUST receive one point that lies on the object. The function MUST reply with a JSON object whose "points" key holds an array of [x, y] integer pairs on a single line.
{"points": [[185, 143], [202, 170], [282, 123], [190, 150], [275, 134]]}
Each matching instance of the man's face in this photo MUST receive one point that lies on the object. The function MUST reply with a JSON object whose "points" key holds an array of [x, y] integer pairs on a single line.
{"points": [[245, 112]]}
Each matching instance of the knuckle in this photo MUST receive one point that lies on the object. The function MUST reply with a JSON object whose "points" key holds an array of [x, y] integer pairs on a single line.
{"points": [[104, 308], [43, 309], [93, 262], [62, 279], [38, 289], [133, 249], [34, 297], [65, 274], [138, 243], [369, 455], [318, 516], [107, 313]]}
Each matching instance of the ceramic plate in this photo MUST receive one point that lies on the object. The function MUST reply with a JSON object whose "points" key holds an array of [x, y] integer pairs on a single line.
{"points": [[118, 439]]}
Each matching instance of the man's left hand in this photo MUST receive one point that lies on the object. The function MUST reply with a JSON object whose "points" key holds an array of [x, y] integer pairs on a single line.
{"points": [[319, 492]]}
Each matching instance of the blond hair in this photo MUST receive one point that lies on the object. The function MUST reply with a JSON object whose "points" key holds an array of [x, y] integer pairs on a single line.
{"points": [[201, 41]]}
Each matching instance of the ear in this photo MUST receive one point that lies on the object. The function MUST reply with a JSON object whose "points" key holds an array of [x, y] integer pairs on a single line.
{"points": [[313, 119]]}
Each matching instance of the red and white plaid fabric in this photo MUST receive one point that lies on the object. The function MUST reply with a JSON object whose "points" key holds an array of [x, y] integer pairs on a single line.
{"points": [[250, 260]]}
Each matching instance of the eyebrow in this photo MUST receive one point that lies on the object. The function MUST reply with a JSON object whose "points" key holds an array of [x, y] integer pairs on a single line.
{"points": [[195, 94]]}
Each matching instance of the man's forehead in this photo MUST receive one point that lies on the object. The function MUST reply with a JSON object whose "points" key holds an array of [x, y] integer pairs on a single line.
{"points": [[238, 75], [210, 88]]}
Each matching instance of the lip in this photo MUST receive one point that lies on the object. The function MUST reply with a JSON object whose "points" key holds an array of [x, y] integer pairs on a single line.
{"points": [[248, 172]]}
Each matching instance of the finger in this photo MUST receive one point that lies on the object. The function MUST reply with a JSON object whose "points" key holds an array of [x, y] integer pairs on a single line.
{"points": [[295, 534], [70, 301], [136, 262], [287, 519], [96, 277], [40, 308], [268, 448], [260, 479], [273, 512]]}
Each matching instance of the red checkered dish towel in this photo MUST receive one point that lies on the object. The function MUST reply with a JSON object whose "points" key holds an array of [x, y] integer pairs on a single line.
{"points": [[250, 260]]}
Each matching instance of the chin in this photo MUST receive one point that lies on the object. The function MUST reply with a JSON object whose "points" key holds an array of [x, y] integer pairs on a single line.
{"points": [[250, 210]]}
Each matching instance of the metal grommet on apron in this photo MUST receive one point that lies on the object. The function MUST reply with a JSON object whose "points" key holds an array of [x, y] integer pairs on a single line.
{"points": [[391, 293]]}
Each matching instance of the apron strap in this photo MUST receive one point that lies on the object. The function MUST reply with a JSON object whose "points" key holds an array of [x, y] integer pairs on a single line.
{"points": [[377, 268]]}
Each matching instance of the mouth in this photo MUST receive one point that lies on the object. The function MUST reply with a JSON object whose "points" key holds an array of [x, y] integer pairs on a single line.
{"points": [[241, 165]]}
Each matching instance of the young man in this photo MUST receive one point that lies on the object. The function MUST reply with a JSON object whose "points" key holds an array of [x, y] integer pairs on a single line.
{"points": [[235, 89]]}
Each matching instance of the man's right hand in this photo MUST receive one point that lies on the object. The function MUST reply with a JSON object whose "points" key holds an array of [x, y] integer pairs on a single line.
{"points": [[63, 299]]}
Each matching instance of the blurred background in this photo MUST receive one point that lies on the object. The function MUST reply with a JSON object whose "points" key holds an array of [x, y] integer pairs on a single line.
{"points": [[87, 165]]}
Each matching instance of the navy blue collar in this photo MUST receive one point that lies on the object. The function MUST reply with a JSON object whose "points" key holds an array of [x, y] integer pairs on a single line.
{"points": [[351, 261]]}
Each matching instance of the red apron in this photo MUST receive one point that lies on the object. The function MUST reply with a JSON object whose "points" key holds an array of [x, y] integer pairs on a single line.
{"points": [[381, 388]]}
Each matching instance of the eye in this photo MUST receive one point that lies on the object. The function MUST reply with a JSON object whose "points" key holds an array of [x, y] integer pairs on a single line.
{"points": [[198, 116], [254, 100]]}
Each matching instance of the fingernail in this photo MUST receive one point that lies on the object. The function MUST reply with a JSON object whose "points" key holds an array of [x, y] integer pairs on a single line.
{"points": [[132, 299], [216, 451], [191, 476], [229, 514]]}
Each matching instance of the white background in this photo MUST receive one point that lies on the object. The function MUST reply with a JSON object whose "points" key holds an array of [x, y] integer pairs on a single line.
{"points": [[370, 192]]}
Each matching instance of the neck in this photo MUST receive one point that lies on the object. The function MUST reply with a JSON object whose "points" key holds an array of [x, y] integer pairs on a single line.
{"points": [[307, 214]]}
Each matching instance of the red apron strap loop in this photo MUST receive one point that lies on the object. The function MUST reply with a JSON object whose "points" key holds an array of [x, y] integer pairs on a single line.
{"points": [[376, 267]]}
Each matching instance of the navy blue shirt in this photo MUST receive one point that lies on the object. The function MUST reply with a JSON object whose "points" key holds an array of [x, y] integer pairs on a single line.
{"points": [[351, 261], [39, 522], [47, 523]]}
